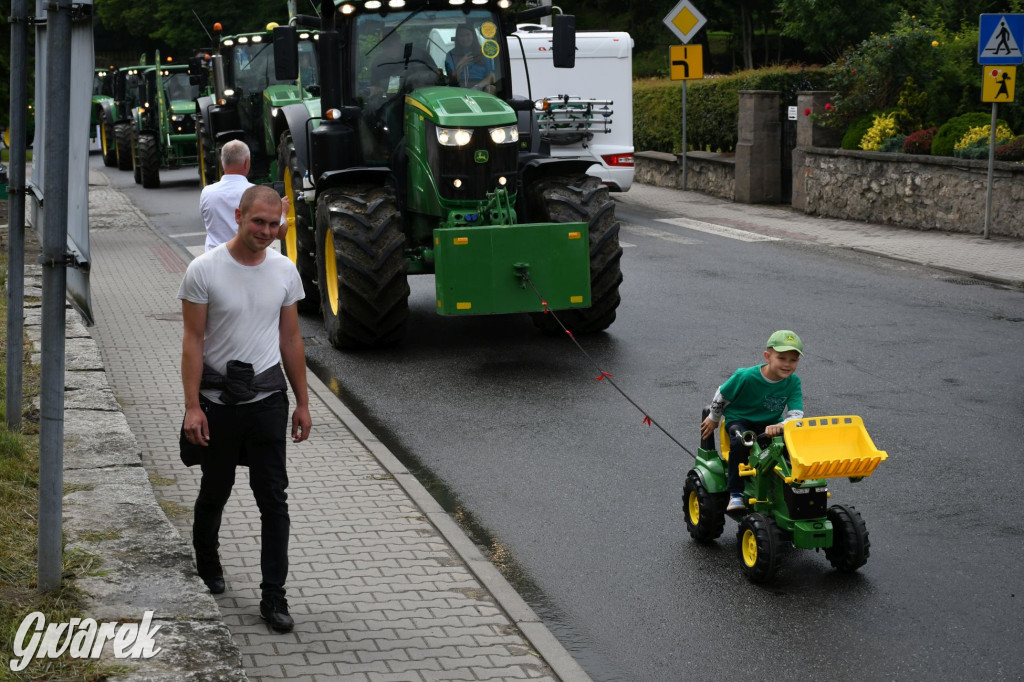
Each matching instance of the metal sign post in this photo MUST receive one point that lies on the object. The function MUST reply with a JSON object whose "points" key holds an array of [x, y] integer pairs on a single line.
{"points": [[684, 20], [1000, 38]]}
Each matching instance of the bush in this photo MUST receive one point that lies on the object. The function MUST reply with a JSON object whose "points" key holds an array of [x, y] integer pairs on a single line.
{"points": [[982, 134], [975, 150], [882, 128], [855, 133], [950, 132], [919, 141], [893, 144], [712, 107], [1012, 150]]}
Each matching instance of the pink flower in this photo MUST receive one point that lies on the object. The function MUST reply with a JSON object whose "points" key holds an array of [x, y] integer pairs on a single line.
{"points": [[828, 106], [807, 112]]}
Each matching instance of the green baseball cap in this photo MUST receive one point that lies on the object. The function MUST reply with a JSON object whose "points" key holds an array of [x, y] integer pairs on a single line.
{"points": [[784, 340]]}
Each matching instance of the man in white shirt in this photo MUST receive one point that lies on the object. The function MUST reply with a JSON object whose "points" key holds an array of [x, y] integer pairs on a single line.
{"points": [[218, 200]]}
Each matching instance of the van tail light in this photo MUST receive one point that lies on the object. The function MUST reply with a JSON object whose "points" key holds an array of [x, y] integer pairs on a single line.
{"points": [[618, 159]]}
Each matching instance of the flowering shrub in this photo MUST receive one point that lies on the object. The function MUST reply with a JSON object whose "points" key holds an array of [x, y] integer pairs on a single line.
{"points": [[950, 132], [1012, 150], [983, 134], [919, 141], [883, 127]]}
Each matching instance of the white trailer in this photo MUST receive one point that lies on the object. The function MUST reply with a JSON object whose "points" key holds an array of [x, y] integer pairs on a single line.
{"points": [[601, 84]]}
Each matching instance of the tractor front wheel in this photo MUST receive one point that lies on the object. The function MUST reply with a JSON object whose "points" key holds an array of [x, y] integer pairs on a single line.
{"points": [[758, 547], [583, 199], [850, 544], [108, 142], [123, 144], [361, 267], [703, 511], [299, 244], [149, 160]]}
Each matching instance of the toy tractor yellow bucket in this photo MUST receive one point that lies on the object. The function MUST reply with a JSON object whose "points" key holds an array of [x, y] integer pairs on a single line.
{"points": [[831, 447]]}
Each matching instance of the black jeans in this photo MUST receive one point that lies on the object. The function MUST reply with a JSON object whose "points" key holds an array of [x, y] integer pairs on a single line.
{"points": [[738, 452], [253, 435]]}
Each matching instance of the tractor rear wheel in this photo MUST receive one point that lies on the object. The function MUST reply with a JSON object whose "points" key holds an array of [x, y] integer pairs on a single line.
{"points": [[108, 143], [149, 160], [703, 511], [361, 267], [299, 243], [123, 142], [584, 199], [850, 544], [759, 547]]}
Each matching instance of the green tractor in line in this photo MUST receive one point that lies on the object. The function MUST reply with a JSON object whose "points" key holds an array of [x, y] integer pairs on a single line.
{"points": [[411, 163], [245, 99], [117, 116], [102, 101], [164, 130]]}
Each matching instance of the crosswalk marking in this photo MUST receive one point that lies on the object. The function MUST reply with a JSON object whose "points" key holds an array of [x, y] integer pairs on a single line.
{"points": [[720, 230], [642, 231]]}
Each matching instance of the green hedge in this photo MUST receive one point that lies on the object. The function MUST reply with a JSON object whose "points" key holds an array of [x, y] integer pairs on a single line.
{"points": [[712, 107], [951, 131]]}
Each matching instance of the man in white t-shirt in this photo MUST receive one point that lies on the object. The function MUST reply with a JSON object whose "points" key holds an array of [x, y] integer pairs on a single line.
{"points": [[218, 201], [241, 321]]}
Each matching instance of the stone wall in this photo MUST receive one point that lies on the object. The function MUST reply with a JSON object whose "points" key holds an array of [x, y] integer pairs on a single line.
{"points": [[706, 172], [920, 192]]}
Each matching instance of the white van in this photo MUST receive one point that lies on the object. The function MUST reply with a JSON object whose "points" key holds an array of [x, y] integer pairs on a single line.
{"points": [[601, 83]]}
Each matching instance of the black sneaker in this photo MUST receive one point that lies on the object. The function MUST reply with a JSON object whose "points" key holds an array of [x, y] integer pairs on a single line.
{"points": [[274, 610]]}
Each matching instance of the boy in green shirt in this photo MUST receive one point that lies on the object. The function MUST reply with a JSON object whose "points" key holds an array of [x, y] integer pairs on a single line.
{"points": [[759, 399]]}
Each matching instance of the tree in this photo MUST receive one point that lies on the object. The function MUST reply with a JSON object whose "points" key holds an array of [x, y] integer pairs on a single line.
{"points": [[829, 27]]}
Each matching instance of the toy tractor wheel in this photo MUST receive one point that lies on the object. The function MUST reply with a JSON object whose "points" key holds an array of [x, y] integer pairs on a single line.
{"points": [[149, 160], [759, 547], [299, 243], [123, 143], [702, 510], [850, 544], [361, 267], [584, 199], [108, 142]]}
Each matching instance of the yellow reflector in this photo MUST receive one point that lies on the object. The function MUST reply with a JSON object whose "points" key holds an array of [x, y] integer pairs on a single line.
{"points": [[460, 241], [575, 235], [438, 303], [575, 299], [437, 240], [463, 305]]}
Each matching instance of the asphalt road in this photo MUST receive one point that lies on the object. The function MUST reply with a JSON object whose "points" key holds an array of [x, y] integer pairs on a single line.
{"points": [[580, 502]]}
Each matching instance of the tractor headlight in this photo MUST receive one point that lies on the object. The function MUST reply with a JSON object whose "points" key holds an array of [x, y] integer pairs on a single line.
{"points": [[505, 134], [454, 137]]}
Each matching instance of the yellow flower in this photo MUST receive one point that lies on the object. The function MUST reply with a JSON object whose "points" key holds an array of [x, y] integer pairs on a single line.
{"points": [[935, 43]]}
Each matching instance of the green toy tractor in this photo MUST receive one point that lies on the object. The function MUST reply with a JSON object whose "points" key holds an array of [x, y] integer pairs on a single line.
{"points": [[786, 493], [413, 162], [164, 134]]}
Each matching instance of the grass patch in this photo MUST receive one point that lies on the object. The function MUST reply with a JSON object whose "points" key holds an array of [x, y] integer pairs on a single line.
{"points": [[174, 510], [19, 508], [156, 479]]}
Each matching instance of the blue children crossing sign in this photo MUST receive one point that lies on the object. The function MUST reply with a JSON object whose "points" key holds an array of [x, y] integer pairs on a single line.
{"points": [[1000, 37]]}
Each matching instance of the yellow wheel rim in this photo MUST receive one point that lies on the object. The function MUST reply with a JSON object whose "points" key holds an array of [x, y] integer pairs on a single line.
{"points": [[749, 548], [331, 271], [693, 507], [291, 242], [202, 161], [103, 139]]}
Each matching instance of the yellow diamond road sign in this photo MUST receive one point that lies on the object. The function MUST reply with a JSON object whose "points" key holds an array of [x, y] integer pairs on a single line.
{"points": [[684, 20]]}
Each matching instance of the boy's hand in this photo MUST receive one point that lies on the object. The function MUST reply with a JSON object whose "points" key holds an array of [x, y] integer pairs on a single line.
{"points": [[774, 429], [707, 428]]}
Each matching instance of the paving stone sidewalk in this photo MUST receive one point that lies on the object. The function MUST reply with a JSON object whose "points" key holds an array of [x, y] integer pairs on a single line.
{"points": [[383, 584]]}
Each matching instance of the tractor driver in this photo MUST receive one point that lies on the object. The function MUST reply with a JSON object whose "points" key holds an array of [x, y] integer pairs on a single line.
{"points": [[466, 64]]}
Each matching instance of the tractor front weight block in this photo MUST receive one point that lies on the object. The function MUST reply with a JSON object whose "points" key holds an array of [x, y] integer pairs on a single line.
{"points": [[481, 270]]}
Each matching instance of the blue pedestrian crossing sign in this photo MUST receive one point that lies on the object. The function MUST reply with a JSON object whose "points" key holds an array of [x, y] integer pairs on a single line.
{"points": [[1000, 37]]}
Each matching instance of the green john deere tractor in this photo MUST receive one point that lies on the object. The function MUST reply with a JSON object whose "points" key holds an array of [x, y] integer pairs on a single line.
{"points": [[416, 159], [164, 134], [245, 100], [102, 101], [118, 113]]}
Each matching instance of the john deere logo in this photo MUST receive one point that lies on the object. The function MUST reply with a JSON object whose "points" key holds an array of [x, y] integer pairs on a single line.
{"points": [[481, 156]]}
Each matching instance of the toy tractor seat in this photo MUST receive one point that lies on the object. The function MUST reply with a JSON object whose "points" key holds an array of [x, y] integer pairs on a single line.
{"points": [[725, 443], [831, 447]]}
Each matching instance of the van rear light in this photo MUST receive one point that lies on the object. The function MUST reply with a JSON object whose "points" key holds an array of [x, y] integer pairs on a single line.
{"points": [[618, 159]]}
